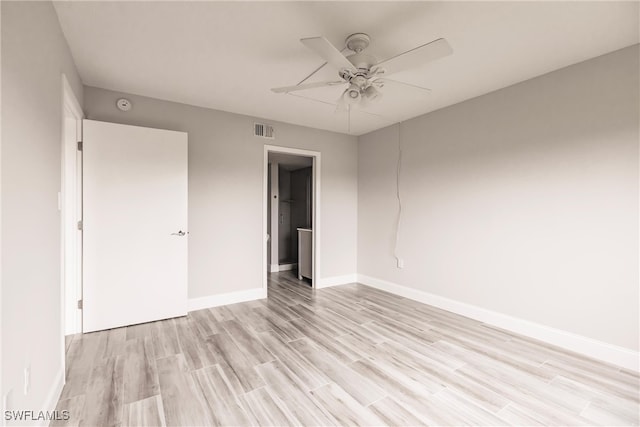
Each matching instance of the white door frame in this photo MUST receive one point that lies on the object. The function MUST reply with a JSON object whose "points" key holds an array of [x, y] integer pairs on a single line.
{"points": [[315, 222], [70, 205]]}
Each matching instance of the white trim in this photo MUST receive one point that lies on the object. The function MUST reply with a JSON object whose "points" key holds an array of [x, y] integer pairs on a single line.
{"points": [[69, 206], [326, 282], [51, 400], [69, 107], [274, 268], [225, 299], [316, 176], [273, 196], [600, 350], [287, 267]]}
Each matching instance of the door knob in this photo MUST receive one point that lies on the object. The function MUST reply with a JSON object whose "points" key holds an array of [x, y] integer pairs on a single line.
{"points": [[179, 233]]}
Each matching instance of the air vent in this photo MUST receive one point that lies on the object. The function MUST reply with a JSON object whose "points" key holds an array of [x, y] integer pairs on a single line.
{"points": [[263, 131]]}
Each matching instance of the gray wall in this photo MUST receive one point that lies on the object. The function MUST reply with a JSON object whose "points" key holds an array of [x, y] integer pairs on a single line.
{"points": [[284, 216], [225, 188], [523, 201], [300, 205], [34, 56]]}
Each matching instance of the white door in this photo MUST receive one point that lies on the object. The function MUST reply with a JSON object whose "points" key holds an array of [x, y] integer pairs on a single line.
{"points": [[134, 225]]}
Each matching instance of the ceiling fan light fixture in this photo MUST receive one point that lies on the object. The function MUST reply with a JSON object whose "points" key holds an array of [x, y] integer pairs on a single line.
{"points": [[371, 93], [352, 94]]}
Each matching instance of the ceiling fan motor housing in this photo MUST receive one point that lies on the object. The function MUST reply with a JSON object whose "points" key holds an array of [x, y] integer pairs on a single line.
{"points": [[357, 42], [362, 61]]}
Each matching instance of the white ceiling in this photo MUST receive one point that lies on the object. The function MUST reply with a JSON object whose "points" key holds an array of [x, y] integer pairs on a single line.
{"points": [[227, 55]]}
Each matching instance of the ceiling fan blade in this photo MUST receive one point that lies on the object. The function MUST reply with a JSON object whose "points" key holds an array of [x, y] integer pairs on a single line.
{"points": [[328, 52], [415, 57], [287, 89], [341, 105], [394, 82]]}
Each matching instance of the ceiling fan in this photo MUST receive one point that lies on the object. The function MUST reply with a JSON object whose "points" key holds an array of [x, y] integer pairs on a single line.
{"points": [[364, 74]]}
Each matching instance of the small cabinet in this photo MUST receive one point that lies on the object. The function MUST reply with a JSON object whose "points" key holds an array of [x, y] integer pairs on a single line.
{"points": [[305, 253]]}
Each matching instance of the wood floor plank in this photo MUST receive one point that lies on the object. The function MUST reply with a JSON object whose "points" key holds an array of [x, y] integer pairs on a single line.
{"points": [[285, 330], [140, 374], [606, 383], [410, 378], [605, 402], [68, 339], [516, 416], [474, 353], [240, 364], [205, 323], [103, 404], [288, 389], [267, 409], [220, 398], [393, 413], [281, 310], [145, 412], [310, 376], [194, 350], [358, 343], [165, 338], [330, 325], [326, 342], [73, 407], [140, 330], [528, 401], [182, 400], [221, 314], [247, 342], [598, 414], [206, 352], [359, 387], [80, 360], [112, 342], [457, 402], [347, 410]]}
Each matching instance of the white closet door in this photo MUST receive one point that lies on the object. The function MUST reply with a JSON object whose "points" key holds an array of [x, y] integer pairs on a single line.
{"points": [[134, 217]]}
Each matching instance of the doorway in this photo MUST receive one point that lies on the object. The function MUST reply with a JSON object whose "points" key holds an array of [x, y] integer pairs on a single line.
{"points": [[291, 213]]}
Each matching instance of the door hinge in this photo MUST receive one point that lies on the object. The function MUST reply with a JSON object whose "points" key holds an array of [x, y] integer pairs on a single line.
{"points": [[79, 145], [79, 225], [79, 304]]}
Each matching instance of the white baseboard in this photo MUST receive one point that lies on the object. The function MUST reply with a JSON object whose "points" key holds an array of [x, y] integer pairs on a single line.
{"points": [[224, 299], [325, 282], [287, 267], [274, 268], [51, 400], [600, 350]]}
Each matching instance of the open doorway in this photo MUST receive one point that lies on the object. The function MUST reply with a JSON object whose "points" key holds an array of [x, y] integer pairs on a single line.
{"points": [[291, 214]]}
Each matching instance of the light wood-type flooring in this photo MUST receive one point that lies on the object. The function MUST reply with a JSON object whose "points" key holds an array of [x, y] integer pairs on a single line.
{"points": [[346, 355]]}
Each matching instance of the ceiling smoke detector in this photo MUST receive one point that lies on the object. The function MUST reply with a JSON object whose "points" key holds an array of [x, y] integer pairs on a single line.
{"points": [[124, 104]]}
